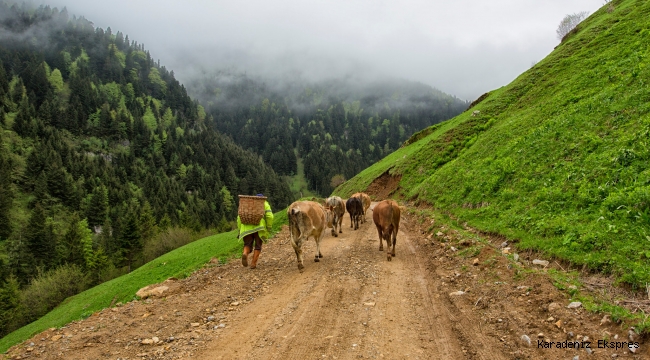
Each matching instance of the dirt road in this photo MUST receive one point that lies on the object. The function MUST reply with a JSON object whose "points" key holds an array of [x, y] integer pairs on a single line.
{"points": [[352, 304]]}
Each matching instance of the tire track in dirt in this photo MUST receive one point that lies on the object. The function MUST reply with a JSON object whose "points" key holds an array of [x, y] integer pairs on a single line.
{"points": [[473, 342]]}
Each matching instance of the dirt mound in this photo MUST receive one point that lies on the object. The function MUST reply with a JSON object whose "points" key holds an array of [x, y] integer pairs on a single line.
{"points": [[383, 186]]}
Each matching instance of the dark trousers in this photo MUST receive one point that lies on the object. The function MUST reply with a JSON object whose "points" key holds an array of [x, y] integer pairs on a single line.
{"points": [[254, 237]]}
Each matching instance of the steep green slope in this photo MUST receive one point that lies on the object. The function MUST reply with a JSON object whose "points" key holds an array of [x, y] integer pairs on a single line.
{"points": [[559, 158]]}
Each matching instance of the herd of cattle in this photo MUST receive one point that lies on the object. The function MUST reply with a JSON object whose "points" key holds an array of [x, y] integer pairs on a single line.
{"points": [[310, 219]]}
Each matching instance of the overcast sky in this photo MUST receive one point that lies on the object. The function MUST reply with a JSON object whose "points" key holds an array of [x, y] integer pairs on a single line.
{"points": [[462, 47]]}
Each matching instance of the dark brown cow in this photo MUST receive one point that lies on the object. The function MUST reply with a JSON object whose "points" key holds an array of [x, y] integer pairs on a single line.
{"points": [[365, 201], [355, 209], [336, 205], [386, 217], [307, 218]]}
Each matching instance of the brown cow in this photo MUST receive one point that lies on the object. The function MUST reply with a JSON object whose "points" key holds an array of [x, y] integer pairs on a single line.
{"points": [[365, 201], [386, 218], [307, 218], [336, 205]]}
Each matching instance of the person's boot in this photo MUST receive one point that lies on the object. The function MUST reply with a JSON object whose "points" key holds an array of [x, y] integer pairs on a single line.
{"points": [[244, 256], [256, 255]]}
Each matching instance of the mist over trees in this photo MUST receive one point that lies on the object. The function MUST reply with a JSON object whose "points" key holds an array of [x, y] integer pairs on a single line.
{"points": [[102, 155], [338, 127]]}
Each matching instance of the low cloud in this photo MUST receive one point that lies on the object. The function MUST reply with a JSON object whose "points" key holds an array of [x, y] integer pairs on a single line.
{"points": [[463, 47]]}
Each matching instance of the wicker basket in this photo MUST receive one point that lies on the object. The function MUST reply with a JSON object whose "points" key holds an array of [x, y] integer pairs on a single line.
{"points": [[251, 209]]}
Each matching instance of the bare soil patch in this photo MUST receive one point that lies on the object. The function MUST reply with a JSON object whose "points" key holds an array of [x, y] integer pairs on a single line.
{"points": [[383, 186]]}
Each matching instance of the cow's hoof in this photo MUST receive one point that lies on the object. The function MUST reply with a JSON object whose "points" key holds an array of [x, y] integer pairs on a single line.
{"points": [[301, 267], [393, 255], [389, 258], [316, 259], [320, 256], [381, 249], [340, 231]]}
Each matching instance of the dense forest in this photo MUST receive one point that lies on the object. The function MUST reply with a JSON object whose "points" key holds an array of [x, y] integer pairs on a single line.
{"points": [[105, 161], [338, 127]]}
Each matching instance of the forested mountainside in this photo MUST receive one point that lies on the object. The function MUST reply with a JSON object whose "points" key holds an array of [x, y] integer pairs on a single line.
{"points": [[104, 160], [559, 159], [338, 127]]}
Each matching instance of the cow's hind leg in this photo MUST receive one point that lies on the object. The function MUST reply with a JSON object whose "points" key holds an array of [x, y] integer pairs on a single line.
{"points": [[298, 249], [394, 242], [318, 238], [381, 241], [341, 224], [388, 245]]}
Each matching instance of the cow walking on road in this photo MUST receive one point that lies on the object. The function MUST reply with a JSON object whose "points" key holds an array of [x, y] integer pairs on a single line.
{"points": [[355, 209], [307, 218], [386, 215], [365, 201], [336, 205]]}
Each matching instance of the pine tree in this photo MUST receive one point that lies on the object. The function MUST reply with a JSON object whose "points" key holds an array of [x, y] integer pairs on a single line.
{"points": [[148, 228], [6, 195], [9, 305], [40, 240], [23, 122], [130, 239], [76, 244], [98, 207], [41, 194]]}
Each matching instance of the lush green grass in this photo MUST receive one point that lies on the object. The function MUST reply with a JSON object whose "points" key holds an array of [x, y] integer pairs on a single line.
{"points": [[298, 183], [178, 263], [559, 158]]}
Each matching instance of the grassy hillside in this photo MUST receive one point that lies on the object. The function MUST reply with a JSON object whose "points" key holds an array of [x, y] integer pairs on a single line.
{"points": [[179, 263], [559, 158]]}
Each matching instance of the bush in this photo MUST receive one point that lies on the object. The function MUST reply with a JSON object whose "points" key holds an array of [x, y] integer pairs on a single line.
{"points": [[50, 289], [166, 241]]}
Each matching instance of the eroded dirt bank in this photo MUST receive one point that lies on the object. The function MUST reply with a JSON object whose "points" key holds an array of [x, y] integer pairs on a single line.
{"points": [[352, 304]]}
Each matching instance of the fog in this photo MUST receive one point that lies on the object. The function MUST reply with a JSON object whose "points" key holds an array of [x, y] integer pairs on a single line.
{"points": [[462, 47]]}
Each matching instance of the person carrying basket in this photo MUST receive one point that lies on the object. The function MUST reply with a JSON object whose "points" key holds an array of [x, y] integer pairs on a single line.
{"points": [[251, 232]]}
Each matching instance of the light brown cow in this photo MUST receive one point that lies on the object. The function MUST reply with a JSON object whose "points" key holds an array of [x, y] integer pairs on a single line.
{"points": [[386, 217], [307, 218], [365, 201], [336, 205]]}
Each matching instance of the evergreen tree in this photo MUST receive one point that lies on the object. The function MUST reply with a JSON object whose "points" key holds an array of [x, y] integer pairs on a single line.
{"points": [[148, 228], [98, 208], [40, 240], [10, 313], [76, 244], [6, 195], [41, 194], [131, 240]]}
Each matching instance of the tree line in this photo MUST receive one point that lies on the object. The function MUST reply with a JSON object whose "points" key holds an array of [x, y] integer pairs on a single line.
{"points": [[102, 155], [338, 127]]}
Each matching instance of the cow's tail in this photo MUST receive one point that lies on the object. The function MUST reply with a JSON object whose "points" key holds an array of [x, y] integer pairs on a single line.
{"points": [[390, 220], [295, 222]]}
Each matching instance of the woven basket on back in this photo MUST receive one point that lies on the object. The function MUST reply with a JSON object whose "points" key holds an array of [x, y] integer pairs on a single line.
{"points": [[251, 209]]}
